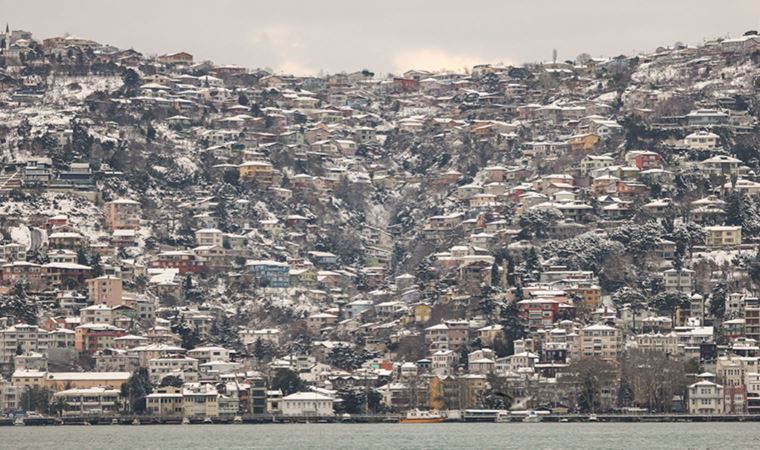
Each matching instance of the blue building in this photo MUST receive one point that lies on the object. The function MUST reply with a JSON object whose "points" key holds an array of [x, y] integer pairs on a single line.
{"points": [[268, 273]]}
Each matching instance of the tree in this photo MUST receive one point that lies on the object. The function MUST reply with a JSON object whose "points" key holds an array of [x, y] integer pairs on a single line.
{"points": [[131, 81], [36, 399], [514, 328], [591, 379], [653, 378], [81, 141], [135, 390], [150, 134], [24, 131], [686, 236], [742, 210], [190, 338], [287, 381], [171, 380], [632, 297], [669, 302], [18, 305], [96, 266], [356, 398], [536, 222], [263, 350], [348, 358], [717, 307]]}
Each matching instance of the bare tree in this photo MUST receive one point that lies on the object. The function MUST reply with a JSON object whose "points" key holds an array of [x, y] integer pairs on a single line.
{"points": [[651, 379]]}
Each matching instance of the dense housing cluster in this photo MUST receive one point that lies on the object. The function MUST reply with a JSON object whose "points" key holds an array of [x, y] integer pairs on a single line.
{"points": [[184, 239]]}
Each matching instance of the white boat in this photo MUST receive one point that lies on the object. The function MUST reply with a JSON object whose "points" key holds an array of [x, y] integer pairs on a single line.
{"points": [[136, 422], [237, 419], [503, 417], [593, 418], [19, 421], [418, 416], [185, 421], [532, 417]]}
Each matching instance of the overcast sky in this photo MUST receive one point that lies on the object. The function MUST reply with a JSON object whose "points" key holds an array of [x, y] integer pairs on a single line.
{"points": [[305, 36]]}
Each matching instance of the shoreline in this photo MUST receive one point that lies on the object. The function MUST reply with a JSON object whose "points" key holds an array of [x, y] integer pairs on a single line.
{"points": [[281, 420]]}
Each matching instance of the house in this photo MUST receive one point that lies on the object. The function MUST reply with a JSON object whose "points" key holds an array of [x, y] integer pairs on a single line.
{"points": [[88, 401], [165, 402], [706, 117], [723, 165], [257, 171], [702, 140], [65, 240], [269, 273], [679, 280], [105, 290], [723, 236], [209, 237], [199, 400], [583, 143], [182, 58], [185, 261], [443, 362], [209, 354], [13, 252], [590, 163], [158, 368], [600, 341], [643, 159], [307, 404], [91, 337], [539, 312], [58, 381], [705, 396], [122, 214]]}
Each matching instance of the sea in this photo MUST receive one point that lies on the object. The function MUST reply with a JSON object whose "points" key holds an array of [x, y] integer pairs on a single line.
{"points": [[585, 436]]}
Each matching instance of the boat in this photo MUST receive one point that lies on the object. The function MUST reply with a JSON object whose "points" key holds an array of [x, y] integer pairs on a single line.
{"points": [[503, 417], [208, 420], [19, 421], [136, 422], [114, 421], [417, 416], [593, 418], [564, 420], [185, 421], [532, 417], [237, 419]]}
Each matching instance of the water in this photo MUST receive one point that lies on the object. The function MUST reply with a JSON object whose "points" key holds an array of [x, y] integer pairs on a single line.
{"points": [[586, 436]]}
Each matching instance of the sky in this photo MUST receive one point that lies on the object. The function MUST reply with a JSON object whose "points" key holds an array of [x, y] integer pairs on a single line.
{"points": [[308, 36]]}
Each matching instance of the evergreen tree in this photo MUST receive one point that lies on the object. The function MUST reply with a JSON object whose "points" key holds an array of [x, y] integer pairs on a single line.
{"points": [[287, 381], [718, 300]]}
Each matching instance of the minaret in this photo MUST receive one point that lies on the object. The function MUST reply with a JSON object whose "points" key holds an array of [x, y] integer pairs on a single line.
{"points": [[7, 36]]}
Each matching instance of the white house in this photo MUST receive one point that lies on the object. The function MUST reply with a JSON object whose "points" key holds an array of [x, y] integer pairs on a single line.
{"points": [[702, 140], [307, 404], [705, 396]]}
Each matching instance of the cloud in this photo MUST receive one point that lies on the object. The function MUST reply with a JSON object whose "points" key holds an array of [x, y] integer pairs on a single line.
{"points": [[295, 68], [282, 48], [435, 59]]}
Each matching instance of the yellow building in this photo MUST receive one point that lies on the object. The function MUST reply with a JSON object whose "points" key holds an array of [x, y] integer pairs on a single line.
{"points": [[259, 171], [59, 381], [589, 295], [422, 312], [723, 236], [585, 143]]}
